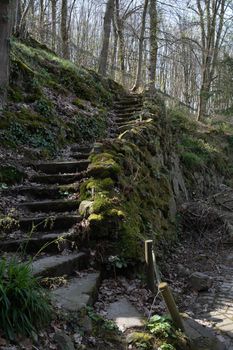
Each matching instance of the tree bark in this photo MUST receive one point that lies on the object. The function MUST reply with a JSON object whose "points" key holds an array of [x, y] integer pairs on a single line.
{"points": [[121, 42], [211, 18], [54, 23], [106, 36], [6, 24], [138, 80], [64, 30], [153, 44]]}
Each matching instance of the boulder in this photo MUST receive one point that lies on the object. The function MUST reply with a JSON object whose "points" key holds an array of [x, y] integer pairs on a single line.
{"points": [[200, 281]]}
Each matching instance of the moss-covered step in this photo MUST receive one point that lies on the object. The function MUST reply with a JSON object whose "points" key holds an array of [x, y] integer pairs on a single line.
{"points": [[59, 205], [48, 222], [45, 192], [78, 293], [58, 178], [58, 265], [50, 242], [62, 167]]}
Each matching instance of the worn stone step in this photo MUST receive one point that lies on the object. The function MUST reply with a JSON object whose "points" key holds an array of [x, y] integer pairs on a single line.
{"points": [[81, 148], [48, 222], [58, 265], [128, 101], [79, 292], [52, 242], [46, 191], [65, 167], [51, 205], [130, 118], [124, 109], [80, 155], [58, 178]]}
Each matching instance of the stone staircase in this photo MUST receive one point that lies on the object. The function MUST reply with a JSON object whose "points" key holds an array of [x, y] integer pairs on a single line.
{"points": [[127, 113], [48, 225]]}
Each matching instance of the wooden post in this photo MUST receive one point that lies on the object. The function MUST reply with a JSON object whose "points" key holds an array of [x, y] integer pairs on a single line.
{"points": [[171, 305], [150, 265]]}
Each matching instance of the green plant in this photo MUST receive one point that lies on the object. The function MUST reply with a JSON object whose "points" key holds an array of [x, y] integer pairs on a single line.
{"points": [[191, 160], [24, 305], [107, 325], [161, 326], [166, 347]]}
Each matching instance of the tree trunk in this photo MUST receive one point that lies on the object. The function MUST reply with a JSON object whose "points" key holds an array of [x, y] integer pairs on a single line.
{"points": [[153, 44], [54, 23], [6, 23], [140, 49], [211, 25], [64, 30], [114, 52], [107, 31], [121, 42]]}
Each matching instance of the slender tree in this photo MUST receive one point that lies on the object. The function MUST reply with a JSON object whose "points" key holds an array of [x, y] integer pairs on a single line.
{"points": [[153, 43], [7, 8], [211, 19], [65, 30], [106, 36], [140, 48]]}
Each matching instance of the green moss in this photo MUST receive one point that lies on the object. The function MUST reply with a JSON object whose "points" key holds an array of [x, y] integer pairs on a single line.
{"points": [[79, 103], [191, 160], [104, 165], [133, 197], [95, 218]]}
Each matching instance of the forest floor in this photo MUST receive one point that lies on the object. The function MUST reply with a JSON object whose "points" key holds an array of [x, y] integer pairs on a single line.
{"points": [[204, 249]]}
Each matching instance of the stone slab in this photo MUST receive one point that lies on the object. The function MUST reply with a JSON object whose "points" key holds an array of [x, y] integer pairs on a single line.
{"points": [[78, 293], [202, 338], [124, 314], [57, 265]]}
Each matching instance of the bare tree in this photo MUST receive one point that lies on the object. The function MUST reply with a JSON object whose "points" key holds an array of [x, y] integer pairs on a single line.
{"points": [[140, 48], [153, 43], [211, 18], [65, 30], [106, 36], [7, 9]]}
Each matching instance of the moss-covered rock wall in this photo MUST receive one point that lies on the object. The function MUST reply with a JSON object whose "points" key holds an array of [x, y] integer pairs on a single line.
{"points": [[128, 196]]}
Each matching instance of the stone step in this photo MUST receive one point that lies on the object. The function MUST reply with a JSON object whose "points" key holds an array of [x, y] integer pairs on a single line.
{"points": [[58, 178], [81, 148], [80, 155], [48, 223], [45, 192], [52, 242], [65, 167], [124, 109], [127, 118], [79, 293], [58, 265], [60, 205], [128, 101]]}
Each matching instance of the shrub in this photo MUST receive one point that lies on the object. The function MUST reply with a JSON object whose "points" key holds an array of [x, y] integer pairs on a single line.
{"points": [[24, 305]]}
